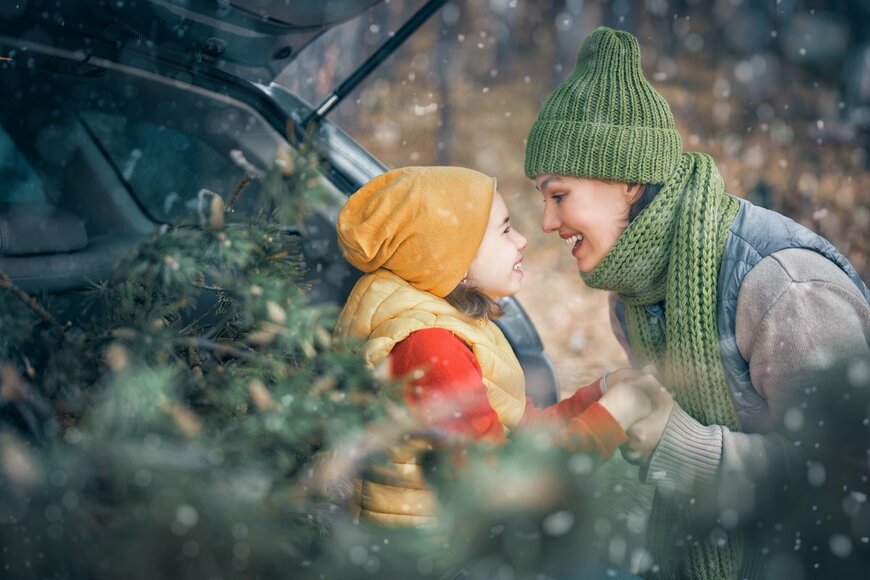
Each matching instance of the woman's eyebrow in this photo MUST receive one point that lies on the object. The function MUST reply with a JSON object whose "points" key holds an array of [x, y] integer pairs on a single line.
{"points": [[546, 182]]}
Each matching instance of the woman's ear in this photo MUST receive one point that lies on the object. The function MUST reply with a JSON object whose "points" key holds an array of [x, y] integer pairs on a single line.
{"points": [[633, 192]]}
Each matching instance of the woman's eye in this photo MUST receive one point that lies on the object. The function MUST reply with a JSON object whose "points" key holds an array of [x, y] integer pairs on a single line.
{"points": [[557, 197], [508, 229]]}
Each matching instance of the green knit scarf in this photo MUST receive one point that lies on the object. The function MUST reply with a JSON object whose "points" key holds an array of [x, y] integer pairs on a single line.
{"points": [[671, 252]]}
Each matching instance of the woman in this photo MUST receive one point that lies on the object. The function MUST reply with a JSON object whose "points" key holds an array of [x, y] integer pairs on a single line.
{"points": [[439, 251], [736, 305]]}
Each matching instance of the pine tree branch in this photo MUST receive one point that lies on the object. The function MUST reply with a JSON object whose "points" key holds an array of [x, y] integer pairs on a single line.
{"points": [[30, 302], [246, 180], [214, 330], [222, 348]]}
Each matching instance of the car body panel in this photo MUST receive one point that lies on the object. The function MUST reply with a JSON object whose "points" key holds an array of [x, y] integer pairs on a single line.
{"points": [[250, 39]]}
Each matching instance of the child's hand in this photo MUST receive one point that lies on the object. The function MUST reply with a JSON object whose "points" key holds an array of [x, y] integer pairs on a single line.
{"points": [[626, 402], [620, 375]]}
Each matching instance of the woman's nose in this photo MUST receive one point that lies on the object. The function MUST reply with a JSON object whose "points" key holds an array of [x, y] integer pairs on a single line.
{"points": [[549, 220]]}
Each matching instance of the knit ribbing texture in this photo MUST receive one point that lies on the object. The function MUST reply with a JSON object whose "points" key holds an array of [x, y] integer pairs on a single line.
{"points": [[672, 252], [605, 121]]}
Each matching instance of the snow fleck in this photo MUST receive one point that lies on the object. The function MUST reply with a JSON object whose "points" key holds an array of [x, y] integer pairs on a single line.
{"points": [[617, 549], [816, 474], [859, 372], [694, 42], [581, 464], [719, 537], [564, 22], [142, 478], [241, 550], [852, 503], [190, 548], [70, 500], [420, 110], [187, 515], [558, 523], [358, 555], [58, 478], [793, 419], [240, 532], [841, 545], [602, 527], [216, 456], [577, 341], [53, 513]]}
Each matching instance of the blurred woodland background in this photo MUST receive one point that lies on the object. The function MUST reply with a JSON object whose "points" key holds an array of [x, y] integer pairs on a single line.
{"points": [[778, 92]]}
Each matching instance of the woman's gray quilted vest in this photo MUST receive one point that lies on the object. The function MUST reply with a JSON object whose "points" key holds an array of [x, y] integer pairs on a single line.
{"points": [[755, 234]]}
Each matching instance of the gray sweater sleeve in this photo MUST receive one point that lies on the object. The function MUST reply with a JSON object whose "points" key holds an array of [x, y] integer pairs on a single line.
{"points": [[797, 314]]}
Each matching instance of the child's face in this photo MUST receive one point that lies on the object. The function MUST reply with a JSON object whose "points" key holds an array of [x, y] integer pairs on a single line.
{"points": [[588, 214], [497, 268]]}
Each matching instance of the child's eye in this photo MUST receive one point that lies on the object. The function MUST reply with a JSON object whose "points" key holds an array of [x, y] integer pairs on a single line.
{"points": [[557, 197], [508, 229]]}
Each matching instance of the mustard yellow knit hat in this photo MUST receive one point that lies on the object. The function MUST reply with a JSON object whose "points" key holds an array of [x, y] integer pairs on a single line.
{"points": [[424, 224]]}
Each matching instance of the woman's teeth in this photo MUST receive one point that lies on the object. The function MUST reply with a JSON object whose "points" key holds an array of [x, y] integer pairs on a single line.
{"points": [[573, 240]]}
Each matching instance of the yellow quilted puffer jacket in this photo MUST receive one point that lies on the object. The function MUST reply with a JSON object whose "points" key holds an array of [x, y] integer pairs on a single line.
{"points": [[383, 310]]}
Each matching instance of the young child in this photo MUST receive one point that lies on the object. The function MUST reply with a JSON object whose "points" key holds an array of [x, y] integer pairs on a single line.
{"points": [[439, 251]]}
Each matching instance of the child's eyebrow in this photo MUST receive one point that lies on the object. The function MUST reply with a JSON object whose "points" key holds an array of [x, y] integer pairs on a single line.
{"points": [[505, 221]]}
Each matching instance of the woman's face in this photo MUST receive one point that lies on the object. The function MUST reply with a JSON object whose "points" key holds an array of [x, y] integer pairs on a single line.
{"points": [[497, 268], [588, 214]]}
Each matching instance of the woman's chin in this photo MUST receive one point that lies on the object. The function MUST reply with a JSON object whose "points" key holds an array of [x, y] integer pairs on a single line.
{"points": [[584, 265]]}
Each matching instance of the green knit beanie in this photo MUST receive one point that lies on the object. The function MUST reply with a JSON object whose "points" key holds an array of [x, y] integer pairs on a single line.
{"points": [[605, 121]]}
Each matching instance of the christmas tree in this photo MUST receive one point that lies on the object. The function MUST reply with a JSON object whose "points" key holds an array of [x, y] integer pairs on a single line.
{"points": [[192, 419]]}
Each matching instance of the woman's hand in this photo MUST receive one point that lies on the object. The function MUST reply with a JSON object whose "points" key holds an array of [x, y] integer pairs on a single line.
{"points": [[645, 434], [627, 403]]}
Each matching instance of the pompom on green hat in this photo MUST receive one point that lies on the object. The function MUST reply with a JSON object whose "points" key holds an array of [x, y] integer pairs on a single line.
{"points": [[605, 121]]}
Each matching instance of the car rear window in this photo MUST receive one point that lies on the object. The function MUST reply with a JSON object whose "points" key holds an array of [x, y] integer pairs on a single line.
{"points": [[164, 166]]}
